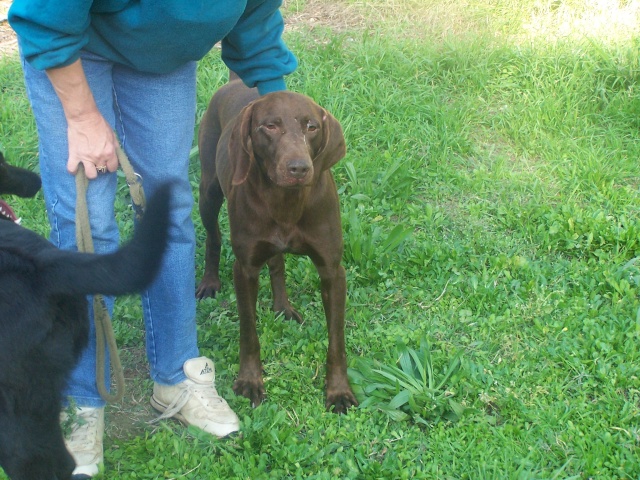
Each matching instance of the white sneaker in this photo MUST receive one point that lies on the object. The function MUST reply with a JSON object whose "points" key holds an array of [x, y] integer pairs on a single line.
{"points": [[85, 441], [196, 401]]}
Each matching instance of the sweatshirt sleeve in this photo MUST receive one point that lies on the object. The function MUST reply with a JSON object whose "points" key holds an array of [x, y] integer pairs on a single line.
{"points": [[254, 49], [50, 33]]}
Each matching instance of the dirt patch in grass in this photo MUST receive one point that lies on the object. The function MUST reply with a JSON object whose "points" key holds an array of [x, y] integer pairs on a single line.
{"points": [[131, 417], [337, 16], [8, 41], [441, 18]]}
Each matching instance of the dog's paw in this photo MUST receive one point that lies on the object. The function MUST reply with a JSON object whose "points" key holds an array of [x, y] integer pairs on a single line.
{"points": [[282, 307], [251, 389], [340, 402], [290, 314], [207, 288]]}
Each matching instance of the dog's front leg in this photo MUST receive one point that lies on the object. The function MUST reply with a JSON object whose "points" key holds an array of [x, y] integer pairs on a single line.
{"points": [[334, 292], [249, 382]]}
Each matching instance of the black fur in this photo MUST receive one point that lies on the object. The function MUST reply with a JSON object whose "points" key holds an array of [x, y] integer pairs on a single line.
{"points": [[44, 324], [17, 181]]}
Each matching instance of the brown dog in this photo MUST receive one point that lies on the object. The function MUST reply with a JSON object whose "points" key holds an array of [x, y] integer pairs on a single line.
{"points": [[270, 157]]}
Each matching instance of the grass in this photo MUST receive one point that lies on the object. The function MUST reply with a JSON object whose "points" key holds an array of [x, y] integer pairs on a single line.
{"points": [[490, 202]]}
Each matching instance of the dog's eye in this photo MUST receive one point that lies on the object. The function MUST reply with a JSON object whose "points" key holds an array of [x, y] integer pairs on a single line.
{"points": [[270, 126], [311, 127]]}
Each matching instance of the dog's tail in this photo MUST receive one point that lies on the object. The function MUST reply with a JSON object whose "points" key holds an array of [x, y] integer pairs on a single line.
{"points": [[130, 269]]}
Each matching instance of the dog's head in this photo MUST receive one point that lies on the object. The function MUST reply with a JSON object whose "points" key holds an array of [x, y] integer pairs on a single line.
{"points": [[15, 181], [288, 137]]}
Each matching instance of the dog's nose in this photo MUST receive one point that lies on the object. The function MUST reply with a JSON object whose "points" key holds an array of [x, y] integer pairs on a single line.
{"points": [[298, 168]]}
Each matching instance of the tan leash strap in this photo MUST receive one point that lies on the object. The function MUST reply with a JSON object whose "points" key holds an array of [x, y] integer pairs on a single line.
{"points": [[105, 337], [134, 181]]}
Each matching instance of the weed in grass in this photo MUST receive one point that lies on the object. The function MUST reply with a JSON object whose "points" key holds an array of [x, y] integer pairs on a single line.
{"points": [[418, 389], [367, 248]]}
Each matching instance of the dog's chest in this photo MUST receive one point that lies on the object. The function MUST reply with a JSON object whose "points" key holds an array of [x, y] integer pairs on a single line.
{"points": [[288, 239]]}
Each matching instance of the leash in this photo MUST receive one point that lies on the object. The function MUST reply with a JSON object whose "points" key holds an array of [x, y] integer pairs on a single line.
{"points": [[105, 337]]}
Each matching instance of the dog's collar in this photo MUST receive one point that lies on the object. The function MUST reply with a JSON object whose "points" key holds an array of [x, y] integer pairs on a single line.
{"points": [[7, 213]]}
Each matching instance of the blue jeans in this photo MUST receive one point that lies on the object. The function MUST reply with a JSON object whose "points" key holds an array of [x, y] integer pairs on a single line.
{"points": [[154, 117]]}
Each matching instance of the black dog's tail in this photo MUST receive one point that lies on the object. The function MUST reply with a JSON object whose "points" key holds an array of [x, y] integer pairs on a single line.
{"points": [[130, 269]]}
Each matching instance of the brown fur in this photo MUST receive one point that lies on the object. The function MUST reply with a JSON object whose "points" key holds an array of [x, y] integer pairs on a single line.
{"points": [[270, 157]]}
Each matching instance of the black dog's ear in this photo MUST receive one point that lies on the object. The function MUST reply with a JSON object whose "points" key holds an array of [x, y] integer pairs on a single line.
{"points": [[240, 146], [17, 181], [333, 148]]}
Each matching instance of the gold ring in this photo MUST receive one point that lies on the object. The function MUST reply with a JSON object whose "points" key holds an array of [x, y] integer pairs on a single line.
{"points": [[102, 169]]}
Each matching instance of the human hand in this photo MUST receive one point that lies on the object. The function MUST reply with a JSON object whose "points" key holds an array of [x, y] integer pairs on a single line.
{"points": [[92, 143]]}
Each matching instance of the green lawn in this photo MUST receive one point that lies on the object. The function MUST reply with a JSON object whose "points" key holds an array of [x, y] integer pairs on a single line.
{"points": [[490, 204]]}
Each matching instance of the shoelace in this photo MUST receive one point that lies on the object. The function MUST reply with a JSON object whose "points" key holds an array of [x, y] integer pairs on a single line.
{"points": [[83, 435], [207, 393]]}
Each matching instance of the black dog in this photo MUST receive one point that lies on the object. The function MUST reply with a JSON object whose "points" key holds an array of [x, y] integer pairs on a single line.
{"points": [[44, 323]]}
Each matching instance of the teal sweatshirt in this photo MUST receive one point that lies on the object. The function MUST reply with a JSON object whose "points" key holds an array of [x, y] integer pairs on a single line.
{"points": [[157, 36]]}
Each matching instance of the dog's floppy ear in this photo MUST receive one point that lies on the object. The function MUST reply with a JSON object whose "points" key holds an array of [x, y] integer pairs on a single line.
{"points": [[18, 181], [333, 147], [240, 147]]}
